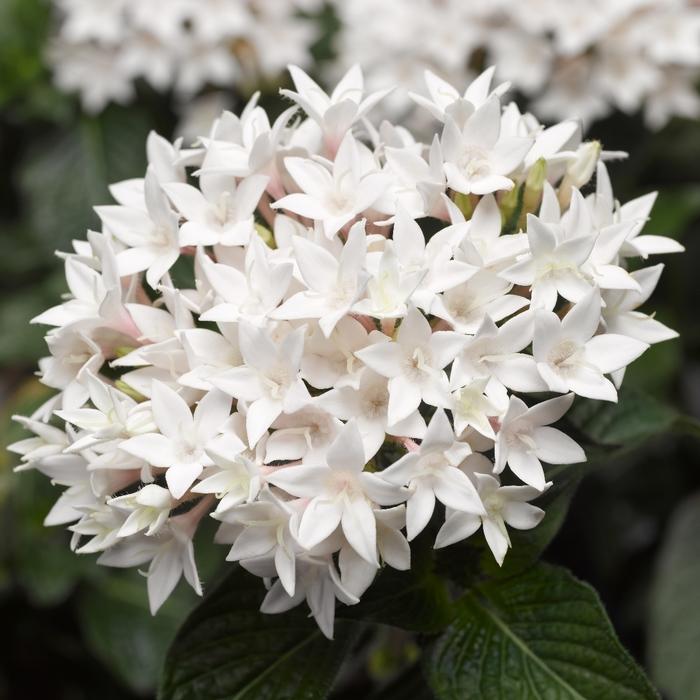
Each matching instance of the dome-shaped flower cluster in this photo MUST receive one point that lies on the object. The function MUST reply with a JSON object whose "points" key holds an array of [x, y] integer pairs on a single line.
{"points": [[576, 58], [579, 58], [101, 48], [325, 334]]}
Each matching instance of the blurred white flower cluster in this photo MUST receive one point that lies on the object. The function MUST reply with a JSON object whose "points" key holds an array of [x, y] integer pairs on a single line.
{"points": [[572, 58], [326, 336], [101, 48]]}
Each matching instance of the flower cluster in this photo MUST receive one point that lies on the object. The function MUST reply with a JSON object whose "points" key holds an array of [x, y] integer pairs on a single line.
{"points": [[101, 48], [327, 335], [579, 58]]}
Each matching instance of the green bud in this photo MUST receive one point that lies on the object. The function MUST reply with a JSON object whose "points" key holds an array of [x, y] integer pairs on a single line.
{"points": [[508, 205], [534, 184], [266, 235], [464, 204]]}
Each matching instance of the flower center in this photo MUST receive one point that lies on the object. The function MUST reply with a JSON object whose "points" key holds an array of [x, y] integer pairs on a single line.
{"points": [[474, 162]]}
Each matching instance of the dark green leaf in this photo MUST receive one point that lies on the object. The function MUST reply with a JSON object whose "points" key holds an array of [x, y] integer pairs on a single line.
{"points": [[23, 29], [121, 632], [25, 345], [628, 423], [542, 634], [63, 177], [228, 650], [674, 635], [413, 600]]}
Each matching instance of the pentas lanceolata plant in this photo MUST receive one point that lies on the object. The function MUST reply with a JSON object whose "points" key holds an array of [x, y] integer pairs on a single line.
{"points": [[361, 348]]}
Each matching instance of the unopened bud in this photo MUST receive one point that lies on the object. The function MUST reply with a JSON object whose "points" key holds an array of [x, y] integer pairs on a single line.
{"points": [[534, 184], [266, 235], [579, 171]]}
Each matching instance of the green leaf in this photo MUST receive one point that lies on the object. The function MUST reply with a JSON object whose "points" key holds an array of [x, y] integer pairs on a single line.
{"points": [[64, 176], [674, 634], [25, 345], [23, 29], [542, 634], [227, 649], [415, 600], [628, 423], [121, 632]]}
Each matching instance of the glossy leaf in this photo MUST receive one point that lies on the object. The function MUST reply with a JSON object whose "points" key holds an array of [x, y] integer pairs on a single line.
{"points": [[121, 631], [542, 634], [228, 649]]}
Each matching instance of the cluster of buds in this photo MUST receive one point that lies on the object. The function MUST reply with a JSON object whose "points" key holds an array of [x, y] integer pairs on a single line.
{"points": [[326, 335]]}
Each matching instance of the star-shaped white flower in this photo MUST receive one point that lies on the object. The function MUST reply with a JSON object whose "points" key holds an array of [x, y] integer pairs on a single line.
{"points": [[269, 378], [553, 266], [334, 284], [221, 212], [337, 112], [525, 440], [152, 235], [505, 505], [180, 445], [478, 159], [432, 472], [337, 194], [571, 357], [414, 364], [341, 494]]}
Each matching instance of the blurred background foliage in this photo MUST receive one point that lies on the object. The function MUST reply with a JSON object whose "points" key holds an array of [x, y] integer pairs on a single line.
{"points": [[76, 631]]}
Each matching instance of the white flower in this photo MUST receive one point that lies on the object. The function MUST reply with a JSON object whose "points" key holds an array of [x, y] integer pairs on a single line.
{"points": [[341, 494], [414, 364], [265, 534], [180, 445], [233, 479], [171, 556], [317, 582], [389, 288], [368, 404], [152, 235], [337, 194], [524, 438], [221, 213], [148, 510], [554, 264], [570, 357], [446, 101], [620, 314], [473, 405], [269, 380], [334, 285], [431, 472], [337, 112], [476, 159], [505, 505]]}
